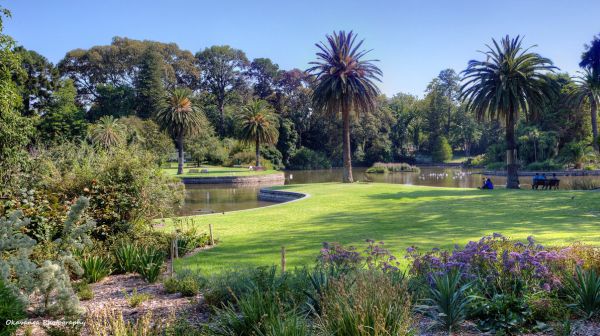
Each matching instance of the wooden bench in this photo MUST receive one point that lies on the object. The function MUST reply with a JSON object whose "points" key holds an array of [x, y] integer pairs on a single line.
{"points": [[546, 184]]}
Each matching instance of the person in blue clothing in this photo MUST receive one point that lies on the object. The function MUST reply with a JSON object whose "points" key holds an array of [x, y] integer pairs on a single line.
{"points": [[487, 184]]}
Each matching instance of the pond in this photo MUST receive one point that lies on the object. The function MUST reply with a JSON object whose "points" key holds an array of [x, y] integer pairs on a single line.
{"points": [[203, 198]]}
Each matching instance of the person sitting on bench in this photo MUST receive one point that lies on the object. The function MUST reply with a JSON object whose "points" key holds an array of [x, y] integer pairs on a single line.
{"points": [[538, 180], [552, 182], [487, 184]]}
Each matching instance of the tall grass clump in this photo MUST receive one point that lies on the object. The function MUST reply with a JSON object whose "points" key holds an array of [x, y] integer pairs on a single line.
{"points": [[369, 304], [584, 184]]}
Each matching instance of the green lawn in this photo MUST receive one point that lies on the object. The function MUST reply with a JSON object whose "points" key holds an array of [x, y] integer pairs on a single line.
{"points": [[214, 171], [400, 215]]}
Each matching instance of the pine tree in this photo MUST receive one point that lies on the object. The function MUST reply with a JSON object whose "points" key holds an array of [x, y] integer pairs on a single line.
{"points": [[149, 84]]}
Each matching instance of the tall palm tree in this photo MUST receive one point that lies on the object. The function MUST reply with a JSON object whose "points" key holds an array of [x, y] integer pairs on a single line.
{"points": [[588, 90], [344, 84], [258, 124], [511, 80], [180, 118], [108, 132]]}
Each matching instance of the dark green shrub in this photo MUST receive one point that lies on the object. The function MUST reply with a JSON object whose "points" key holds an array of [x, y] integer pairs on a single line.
{"points": [[307, 159], [149, 263], [442, 151], [584, 292], [382, 168], [11, 309], [125, 257], [185, 282], [96, 268], [503, 314], [447, 301]]}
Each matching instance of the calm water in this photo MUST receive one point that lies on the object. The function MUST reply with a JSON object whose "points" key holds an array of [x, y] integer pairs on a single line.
{"points": [[202, 198]]}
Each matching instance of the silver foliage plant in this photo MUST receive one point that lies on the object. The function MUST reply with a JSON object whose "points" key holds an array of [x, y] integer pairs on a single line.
{"points": [[51, 280]]}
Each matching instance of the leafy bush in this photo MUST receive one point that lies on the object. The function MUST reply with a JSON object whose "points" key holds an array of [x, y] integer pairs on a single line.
{"points": [[135, 299], [442, 151], [126, 255], [545, 165], [149, 263], [496, 166], [381, 168], [96, 268], [504, 314], [308, 159], [12, 308], [125, 187], [447, 302], [584, 292]]}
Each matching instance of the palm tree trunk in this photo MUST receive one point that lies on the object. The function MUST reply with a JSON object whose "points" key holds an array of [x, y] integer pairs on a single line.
{"points": [[512, 174], [257, 152], [346, 152], [594, 111], [180, 154]]}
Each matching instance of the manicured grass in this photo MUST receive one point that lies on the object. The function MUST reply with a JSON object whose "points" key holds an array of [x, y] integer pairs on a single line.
{"points": [[214, 171], [400, 215]]}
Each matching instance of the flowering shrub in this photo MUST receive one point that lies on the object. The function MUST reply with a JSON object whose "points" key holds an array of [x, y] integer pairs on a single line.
{"points": [[496, 261], [374, 257]]}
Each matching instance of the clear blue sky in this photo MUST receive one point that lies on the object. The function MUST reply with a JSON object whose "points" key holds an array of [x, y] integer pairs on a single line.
{"points": [[413, 40]]}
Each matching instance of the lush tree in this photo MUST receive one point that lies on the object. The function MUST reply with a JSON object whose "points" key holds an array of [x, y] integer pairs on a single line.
{"points": [[447, 84], [181, 118], [258, 125], [108, 132], [39, 81], [406, 125], [511, 80], [118, 64], [222, 72], [588, 92], [62, 118], [345, 84], [116, 101], [442, 151], [148, 135], [149, 84], [263, 73], [590, 59], [15, 130]]}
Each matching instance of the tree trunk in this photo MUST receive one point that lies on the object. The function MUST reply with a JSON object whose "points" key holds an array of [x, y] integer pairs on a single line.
{"points": [[221, 104], [512, 174], [347, 153], [180, 158], [594, 108], [257, 152]]}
